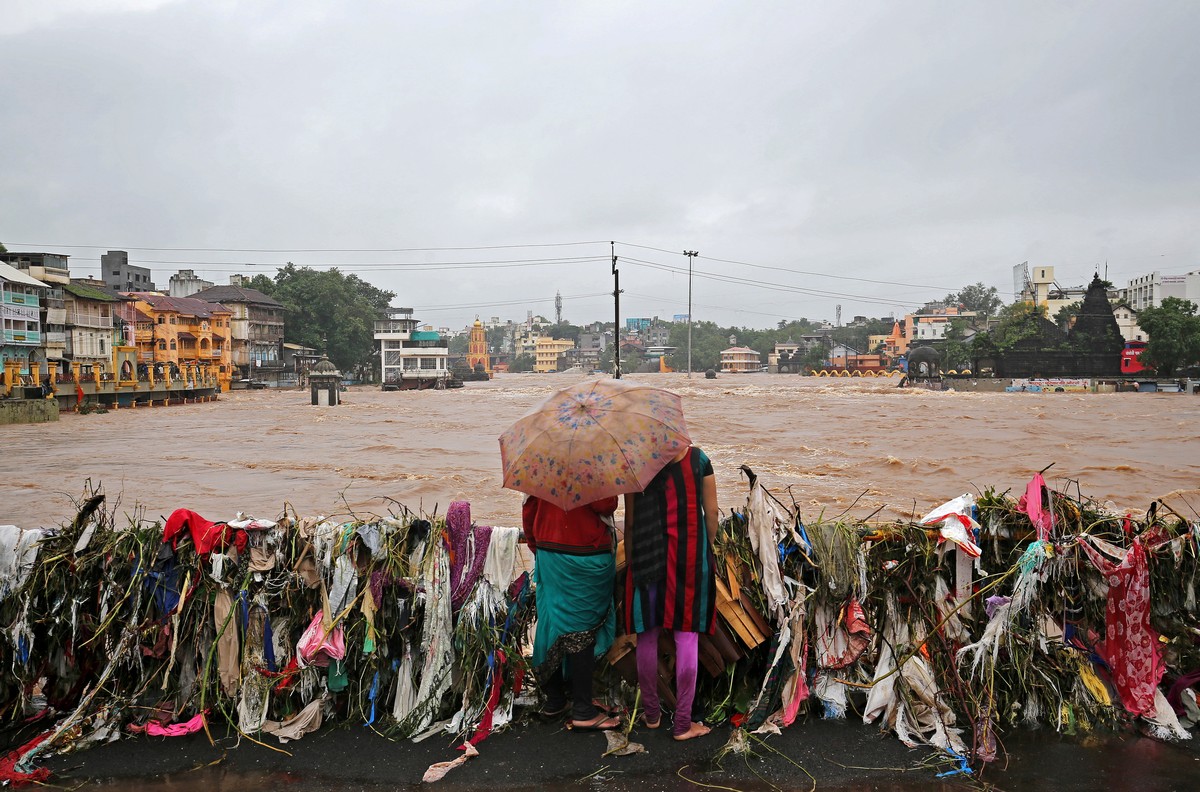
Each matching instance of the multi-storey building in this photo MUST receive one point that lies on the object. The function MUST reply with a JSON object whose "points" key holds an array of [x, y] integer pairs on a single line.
{"points": [[50, 269], [93, 329], [740, 360], [182, 331], [21, 314], [1148, 291], [257, 328], [186, 282], [118, 274], [410, 359], [547, 352]]}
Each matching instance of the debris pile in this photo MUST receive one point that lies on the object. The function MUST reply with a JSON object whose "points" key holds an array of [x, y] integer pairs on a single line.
{"points": [[987, 613]]}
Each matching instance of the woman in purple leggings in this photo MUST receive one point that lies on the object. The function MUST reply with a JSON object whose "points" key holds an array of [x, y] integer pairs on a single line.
{"points": [[670, 528]]}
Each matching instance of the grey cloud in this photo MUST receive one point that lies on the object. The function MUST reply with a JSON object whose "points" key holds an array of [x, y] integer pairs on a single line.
{"points": [[929, 143]]}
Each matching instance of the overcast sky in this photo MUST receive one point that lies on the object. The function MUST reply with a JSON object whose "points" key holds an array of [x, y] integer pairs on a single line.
{"points": [[872, 155]]}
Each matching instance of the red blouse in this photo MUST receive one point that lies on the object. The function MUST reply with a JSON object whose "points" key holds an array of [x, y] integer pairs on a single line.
{"points": [[579, 531]]}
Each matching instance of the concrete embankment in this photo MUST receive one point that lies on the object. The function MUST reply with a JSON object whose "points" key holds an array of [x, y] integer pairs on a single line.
{"points": [[23, 411]]}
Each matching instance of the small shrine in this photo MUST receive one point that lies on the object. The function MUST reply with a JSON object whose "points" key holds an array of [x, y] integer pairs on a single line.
{"points": [[325, 383], [479, 360]]}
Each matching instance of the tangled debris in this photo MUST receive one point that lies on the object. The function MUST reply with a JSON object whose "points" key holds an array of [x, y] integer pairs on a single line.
{"points": [[985, 614]]}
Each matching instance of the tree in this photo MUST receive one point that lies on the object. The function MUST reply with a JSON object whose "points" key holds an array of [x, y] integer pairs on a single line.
{"points": [[522, 363], [984, 300], [566, 330], [1018, 322], [632, 359], [330, 311], [1174, 330], [956, 352], [2, 248], [708, 340], [816, 357], [1066, 314]]}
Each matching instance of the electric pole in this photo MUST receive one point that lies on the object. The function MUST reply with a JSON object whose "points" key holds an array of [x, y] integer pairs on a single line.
{"points": [[691, 254], [617, 308]]}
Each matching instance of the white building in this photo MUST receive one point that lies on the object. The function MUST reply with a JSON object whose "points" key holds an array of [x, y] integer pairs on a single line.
{"points": [[1127, 323], [186, 282], [1148, 291], [408, 357]]}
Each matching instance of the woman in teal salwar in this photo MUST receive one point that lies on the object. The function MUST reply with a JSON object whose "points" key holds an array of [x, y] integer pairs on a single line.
{"points": [[574, 569]]}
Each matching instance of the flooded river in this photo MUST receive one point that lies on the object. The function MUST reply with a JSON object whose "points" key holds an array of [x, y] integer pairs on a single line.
{"points": [[835, 445]]}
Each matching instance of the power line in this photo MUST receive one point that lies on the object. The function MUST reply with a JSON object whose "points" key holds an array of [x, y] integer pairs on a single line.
{"points": [[307, 250], [659, 298], [372, 266], [771, 285], [505, 303], [793, 271]]}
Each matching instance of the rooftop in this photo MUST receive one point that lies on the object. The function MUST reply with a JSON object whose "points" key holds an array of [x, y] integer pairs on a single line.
{"points": [[190, 306], [90, 292], [236, 294]]}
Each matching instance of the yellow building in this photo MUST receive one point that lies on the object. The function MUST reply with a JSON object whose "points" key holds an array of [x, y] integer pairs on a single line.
{"points": [[477, 348], [740, 360], [184, 331], [547, 352]]}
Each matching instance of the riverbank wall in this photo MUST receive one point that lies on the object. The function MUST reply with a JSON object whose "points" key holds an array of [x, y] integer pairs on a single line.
{"points": [[23, 411]]}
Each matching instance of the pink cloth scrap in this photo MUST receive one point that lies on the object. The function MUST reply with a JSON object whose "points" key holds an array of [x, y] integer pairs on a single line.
{"points": [[318, 645], [1031, 504], [176, 729]]}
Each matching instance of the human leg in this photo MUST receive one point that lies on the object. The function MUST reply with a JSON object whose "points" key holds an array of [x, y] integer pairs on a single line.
{"points": [[647, 666], [687, 661], [553, 688], [582, 665]]}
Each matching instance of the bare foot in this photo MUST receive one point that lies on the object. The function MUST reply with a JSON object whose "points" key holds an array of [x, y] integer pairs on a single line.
{"points": [[601, 722], [650, 724], [696, 730]]}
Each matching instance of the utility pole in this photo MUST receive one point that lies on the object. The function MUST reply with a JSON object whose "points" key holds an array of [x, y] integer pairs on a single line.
{"points": [[691, 254], [617, 308]]}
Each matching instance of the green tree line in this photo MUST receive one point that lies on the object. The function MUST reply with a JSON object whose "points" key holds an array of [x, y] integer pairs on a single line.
{"points": [[330, 311]]}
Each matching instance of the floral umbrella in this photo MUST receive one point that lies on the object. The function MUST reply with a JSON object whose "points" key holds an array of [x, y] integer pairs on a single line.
{"points": [[593, 440]]}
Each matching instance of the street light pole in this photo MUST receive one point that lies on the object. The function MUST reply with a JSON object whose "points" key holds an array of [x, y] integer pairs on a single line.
{"points": [[617, 308], [691, 254]]}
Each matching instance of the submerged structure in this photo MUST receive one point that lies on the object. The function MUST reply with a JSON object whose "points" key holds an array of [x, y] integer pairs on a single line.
{"points": [[411, 359], [1092, 347]]}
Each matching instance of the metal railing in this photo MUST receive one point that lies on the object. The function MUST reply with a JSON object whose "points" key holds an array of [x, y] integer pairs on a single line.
{"points": [[88, 319], [23, 336]]}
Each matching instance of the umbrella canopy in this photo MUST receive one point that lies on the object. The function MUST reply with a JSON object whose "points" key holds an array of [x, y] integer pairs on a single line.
{"points": [[593, 440]]}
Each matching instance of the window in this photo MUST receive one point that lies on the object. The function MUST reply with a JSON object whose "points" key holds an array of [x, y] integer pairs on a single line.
{"points": [[172, 343], [162, 345], [162, 320]]}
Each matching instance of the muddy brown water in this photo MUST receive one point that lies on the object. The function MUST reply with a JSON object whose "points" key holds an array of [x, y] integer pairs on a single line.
{"points": [[862, 446]]}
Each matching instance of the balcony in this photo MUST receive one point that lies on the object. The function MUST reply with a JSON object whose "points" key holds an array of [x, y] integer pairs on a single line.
{"points": [[21, 313], [401, 326], [55, 338], [27, 337], [16, 298], [88, 319]]}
